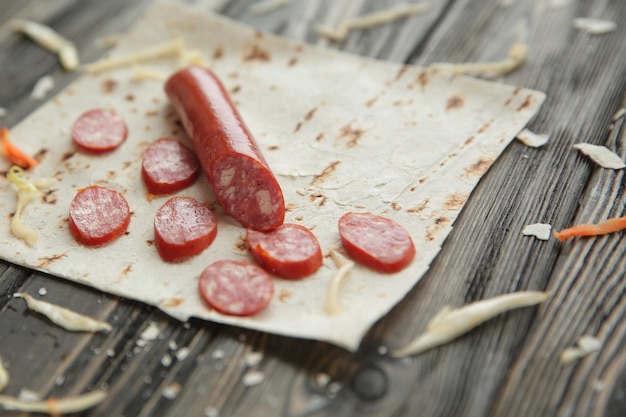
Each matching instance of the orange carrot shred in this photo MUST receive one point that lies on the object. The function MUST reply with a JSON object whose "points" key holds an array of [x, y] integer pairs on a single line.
{"points": [[608, 226], [15, 154]]}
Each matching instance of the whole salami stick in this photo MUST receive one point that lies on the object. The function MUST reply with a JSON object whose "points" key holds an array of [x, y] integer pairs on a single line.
{"points": [[239, 175]]}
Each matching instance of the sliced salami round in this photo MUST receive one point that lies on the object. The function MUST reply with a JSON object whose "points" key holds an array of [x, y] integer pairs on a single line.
{"points": [[290, 251], [183, 227], [236, 288], [98, 216], [99, 130], [378, 243], [168, 166]]}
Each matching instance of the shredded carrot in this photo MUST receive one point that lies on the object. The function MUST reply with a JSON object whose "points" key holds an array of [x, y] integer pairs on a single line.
{"points": [[15, 154], [609, 226]]}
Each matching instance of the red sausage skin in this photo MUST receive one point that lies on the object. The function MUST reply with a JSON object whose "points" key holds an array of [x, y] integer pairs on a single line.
{"points": [[183, 227], [379, 243], [98, 216], [241, 179], [290, 251]]}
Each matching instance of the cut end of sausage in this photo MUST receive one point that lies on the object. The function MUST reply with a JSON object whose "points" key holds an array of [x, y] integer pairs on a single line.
{"points": [[249, 192], [236, 288], [98, 216], [379, 243], [99, 130], [183, 227], [290, 251], [168, 166]]}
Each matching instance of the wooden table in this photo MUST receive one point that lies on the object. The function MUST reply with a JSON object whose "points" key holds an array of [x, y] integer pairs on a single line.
{"points": [[506, 367]]}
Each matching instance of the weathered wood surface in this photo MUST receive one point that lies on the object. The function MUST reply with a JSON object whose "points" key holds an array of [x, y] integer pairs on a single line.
{"points": [[506, 367]]}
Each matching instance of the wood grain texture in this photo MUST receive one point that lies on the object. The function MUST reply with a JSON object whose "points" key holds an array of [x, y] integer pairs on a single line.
{"points": [[506, 367]]}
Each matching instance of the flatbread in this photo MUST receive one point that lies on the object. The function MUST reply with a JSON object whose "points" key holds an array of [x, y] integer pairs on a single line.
{"points": [[341, 132]]}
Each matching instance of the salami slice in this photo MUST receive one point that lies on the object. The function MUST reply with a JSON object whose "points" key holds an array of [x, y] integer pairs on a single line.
{"points": [[98, 216], [99, 130], [376, 242], [183, 228], [168, 166], [239, 175], [290, 251], [236, 288]]}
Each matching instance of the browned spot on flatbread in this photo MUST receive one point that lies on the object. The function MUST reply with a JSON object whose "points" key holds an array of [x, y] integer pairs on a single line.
{"points": [[47, 260], [292, 61], [273, 148], [395, 205], [299, 47], [218, 52], [455, 201], [527, 102], [510, 99], [284, 294], [129, 97], [484, 127], [469, 141], [49, 197], [108, 85], [150, 242], [241, 244], [257, 53], [455, 102], [477, 168], [419, 208], [372, 101], [320, 178], [308, 116], [151, 113], [126, 165], [318, 199], [40, 154], [401, 72], [319, 137], [235, 89], [422, 79], [173, 302], [127, 270], [291, 207], [350, 134]]}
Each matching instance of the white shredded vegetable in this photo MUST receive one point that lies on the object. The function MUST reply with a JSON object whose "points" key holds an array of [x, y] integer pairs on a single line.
{"points": [[449, 324], [63, 317], [144, 73], [42, 87], [162, 50], [586, 344], [594, 26], [601, 155], [516, 57], [371, 20], [54, 406], [4, 376], [266, 6], [51, 40], [532, 139], [539, 230], [344, 265], [26, 192]]}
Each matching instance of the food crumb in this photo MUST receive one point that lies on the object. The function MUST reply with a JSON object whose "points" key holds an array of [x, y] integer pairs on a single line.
{"points": [[253, 378], [532, 139], [382, 350], [594, 26], [253, 358], [28, 395], [322, 379], [42, 87], [211, 412], [182, 354], [334, 388], [3, 112], [218, 354], [166, 360], [59, 380], [171, 391], [172, 345], [42, 291], [150, 333], [539, 230], [110, 353]]}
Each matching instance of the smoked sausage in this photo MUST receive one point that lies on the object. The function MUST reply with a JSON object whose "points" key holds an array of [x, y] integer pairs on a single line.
{"points": [[239, 175]]}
